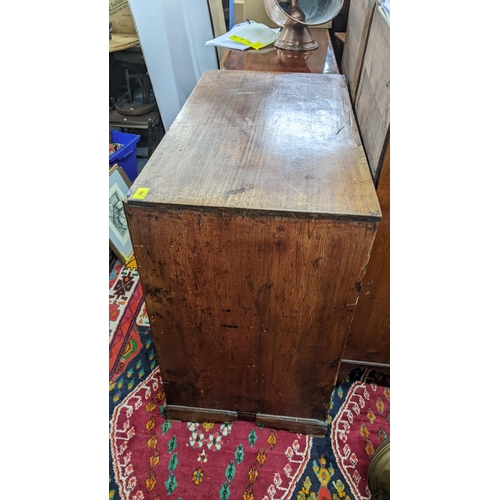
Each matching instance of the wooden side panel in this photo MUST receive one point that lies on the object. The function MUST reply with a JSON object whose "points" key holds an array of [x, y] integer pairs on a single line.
{"points": [[218, 24], [372, 105], [370, 332], [249, 313], [358, 27]]}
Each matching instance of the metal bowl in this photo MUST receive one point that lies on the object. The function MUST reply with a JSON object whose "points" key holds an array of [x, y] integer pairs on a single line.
{"points": [[316, 11], [379, 472]]}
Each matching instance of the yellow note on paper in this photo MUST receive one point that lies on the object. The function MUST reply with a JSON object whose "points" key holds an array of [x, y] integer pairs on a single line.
{"points": [[140, 194], [255, 35]]}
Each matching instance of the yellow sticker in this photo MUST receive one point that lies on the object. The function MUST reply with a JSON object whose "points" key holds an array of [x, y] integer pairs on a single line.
{"points": [[255, 35], [140, 194]]}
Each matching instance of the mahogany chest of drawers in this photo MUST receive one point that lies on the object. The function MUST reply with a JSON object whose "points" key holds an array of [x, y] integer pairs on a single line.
{"points": [[252, 225]]}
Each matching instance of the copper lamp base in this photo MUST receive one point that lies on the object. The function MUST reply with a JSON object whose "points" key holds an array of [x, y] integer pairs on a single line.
{"points": [[296, 37]]}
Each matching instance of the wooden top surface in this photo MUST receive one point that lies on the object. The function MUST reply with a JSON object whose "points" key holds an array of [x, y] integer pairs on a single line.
{"points": [[320, 60], [282, 142]]}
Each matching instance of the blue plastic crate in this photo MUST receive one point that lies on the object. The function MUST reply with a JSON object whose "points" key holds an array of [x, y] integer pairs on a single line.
{"points": [[126, 156]]}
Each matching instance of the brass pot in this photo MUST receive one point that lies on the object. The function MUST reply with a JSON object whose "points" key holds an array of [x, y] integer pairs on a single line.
{"points": [[379, 472]]}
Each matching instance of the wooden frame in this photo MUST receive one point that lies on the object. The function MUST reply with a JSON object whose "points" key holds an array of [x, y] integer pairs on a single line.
{"points": [[356, 37], [218, 23], [119, 236], [368, 63], [372, 104]]}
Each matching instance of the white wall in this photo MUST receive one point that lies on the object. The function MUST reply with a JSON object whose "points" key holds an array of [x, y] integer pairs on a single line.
{"points": [[173, 35]]}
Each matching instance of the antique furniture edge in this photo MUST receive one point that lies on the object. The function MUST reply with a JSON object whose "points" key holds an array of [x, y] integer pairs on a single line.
{"points": [[249, 212], [193, 414], [310, 426]]}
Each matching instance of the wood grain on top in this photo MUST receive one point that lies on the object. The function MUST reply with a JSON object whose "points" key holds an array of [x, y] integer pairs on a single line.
{"points": [[284, 142]]}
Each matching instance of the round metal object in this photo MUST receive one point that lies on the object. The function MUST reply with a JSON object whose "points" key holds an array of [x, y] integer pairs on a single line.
{"points": [[295, 19], [379, 472], [135, 108]]}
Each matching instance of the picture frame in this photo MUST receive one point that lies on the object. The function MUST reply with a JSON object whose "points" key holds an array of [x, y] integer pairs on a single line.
{"points": [[119, 236]]}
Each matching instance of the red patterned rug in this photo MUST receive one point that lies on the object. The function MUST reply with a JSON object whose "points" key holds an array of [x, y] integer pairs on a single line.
{"points": [[152, 458], [360, 425]]}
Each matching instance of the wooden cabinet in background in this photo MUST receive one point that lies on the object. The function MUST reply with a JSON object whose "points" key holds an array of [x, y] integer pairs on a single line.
{"points": [[358, 27], [367, 61], [370, 333], [372, 103], [252, 226]]}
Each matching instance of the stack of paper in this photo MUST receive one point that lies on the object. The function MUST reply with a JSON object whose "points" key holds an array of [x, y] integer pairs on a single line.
{"points": [[246, 35]]}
